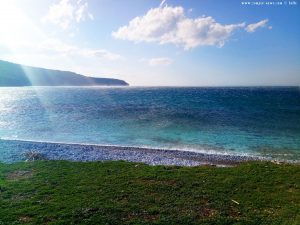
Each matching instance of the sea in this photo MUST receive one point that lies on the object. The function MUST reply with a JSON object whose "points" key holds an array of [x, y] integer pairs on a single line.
{"points": [[254, 121]]}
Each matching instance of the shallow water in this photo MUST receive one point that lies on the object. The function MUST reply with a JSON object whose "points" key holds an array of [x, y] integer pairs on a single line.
{"points": [[251, 121]]}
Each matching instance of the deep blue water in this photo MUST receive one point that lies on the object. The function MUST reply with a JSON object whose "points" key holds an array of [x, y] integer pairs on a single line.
{"points": [[254, 121]]}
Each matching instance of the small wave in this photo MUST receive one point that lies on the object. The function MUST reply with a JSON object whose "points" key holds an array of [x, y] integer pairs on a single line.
{"points": [[147, 147], [185, 156], [164, 148]]}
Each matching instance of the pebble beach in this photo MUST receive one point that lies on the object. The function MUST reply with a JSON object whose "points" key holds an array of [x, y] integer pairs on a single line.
{"points": [[17, 151]]}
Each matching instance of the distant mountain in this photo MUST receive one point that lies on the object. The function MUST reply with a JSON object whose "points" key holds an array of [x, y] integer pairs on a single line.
{"points": [[12, 75]]}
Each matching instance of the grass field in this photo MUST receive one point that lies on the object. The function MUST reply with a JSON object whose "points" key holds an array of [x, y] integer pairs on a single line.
{"points": [[61, 192]]}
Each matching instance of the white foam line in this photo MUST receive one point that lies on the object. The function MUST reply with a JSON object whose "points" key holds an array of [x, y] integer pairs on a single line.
{"points": [[208, 152], [211, 152]]}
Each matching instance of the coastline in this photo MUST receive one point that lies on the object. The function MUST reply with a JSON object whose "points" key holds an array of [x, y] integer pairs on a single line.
{"points": [[93, 152]]}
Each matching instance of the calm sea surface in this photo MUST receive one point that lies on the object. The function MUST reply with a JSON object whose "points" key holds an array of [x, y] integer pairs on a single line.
{"points": [[253, 121]]}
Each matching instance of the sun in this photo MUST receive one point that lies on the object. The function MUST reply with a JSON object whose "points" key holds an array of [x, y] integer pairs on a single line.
{"points": [[15, 25], [11, 19]]}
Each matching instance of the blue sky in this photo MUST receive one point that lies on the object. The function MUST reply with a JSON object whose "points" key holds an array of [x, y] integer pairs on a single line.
{"points": [[152, 42]]}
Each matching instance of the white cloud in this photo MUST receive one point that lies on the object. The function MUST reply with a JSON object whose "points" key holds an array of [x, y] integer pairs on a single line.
{"points": [[65, 12], [252, 27], [163, 61], [162, 3], [103, 54], [170, 25], [57, 47]]}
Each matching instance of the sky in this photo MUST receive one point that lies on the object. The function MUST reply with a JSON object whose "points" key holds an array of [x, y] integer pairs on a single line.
{"points": [[157, 42]]}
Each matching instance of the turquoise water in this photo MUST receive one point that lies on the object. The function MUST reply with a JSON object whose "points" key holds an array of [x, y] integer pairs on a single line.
{"points": [[252, 121]]}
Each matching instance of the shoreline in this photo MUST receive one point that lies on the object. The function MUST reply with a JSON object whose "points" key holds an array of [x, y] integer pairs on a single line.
{"points": [[150, 156]]}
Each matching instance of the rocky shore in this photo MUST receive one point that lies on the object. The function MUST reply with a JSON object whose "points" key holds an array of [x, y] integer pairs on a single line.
{"points": [[24, 150]]}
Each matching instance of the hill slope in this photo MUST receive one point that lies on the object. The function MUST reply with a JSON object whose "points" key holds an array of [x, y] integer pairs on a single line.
{"points": [[12, 75]]}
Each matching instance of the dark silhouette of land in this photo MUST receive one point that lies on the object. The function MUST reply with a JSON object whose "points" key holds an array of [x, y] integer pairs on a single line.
{"points": [[14, 75]]}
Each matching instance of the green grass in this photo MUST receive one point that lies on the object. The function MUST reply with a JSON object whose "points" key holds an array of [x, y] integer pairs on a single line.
{"points": [[60, 192]]}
